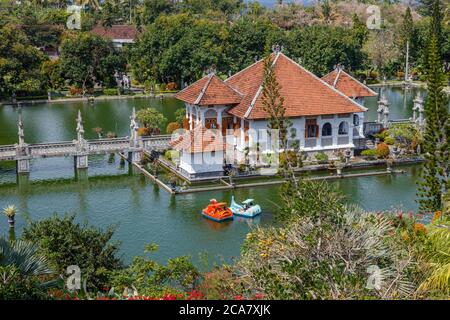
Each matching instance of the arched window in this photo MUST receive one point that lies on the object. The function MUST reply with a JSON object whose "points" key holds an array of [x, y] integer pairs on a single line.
{"points": [[343, 128], [356, 120], [327, 130]]}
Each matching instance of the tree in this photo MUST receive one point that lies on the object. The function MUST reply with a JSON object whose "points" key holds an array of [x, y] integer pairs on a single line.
{"points": [[87, 59], [52, 74], [381, 49], [180, 115], [19, 62], [20, 268], [151, 119], [436, 169], [407, 35], [63, 242]]}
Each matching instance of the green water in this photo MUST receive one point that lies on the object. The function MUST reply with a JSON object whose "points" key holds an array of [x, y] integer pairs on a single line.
{"points": [[142, 213]]}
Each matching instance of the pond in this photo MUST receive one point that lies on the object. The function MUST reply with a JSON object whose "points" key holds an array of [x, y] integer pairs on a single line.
{"points": [[115, 195]]}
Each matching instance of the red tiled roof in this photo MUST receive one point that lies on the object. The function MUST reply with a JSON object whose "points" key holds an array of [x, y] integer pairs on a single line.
{"points": [[200, 139], [348, 85], [304, 93], [209, 90], [117, 32]]}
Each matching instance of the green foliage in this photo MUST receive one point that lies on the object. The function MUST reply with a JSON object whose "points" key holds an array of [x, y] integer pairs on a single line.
{"points": [[86, 57], [152, 279], [371, 153], [436, 255], [321, 259], [321, 157], [110, 92], [19, 62], [152, 119], [20, 268], [63, 242], [436, 169], [406, 135], [314, 199], [180, 115]]}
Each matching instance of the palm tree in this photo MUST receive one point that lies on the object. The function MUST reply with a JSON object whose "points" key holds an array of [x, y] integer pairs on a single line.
{"points": [[10, 212], [24, 256]]}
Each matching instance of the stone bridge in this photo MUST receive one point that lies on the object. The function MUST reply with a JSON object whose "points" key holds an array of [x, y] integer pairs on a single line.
{"points": [[80, 148]]}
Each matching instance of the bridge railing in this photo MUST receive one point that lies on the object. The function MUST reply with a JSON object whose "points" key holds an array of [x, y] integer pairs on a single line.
{"points": [[7, 152]]}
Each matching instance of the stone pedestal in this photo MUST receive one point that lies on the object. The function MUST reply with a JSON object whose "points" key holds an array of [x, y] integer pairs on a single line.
{"points": [[81, 161], [23, 165], [135, 156]]}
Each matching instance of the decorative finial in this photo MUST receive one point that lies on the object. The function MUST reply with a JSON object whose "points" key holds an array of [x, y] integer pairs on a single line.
{"points": [[21, 133], [80, 130], [277, 48]]}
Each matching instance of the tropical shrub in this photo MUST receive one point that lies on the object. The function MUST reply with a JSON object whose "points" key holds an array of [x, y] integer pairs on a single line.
{"points": [[320, 259], [148, 278], [382, 150], [370, 153], [171, 86], [142, 132], [63, 242], [321, 157], [389, 141], [110, 92], [152, 119], [172, 127], [21, 270]]}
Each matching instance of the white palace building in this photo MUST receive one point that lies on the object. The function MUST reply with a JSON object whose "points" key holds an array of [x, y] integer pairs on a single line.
{"points": [[327, 114]]}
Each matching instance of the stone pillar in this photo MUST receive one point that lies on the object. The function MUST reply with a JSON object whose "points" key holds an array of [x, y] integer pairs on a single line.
{"points": [[134, 127], [81, 161], [418, 110], [219, 119], [242, 134], [23, 165], [386, 116], [382, 105], [81, 157], [335, 130], [421, 119], [22, 152], [191, 124], [135, 156]]}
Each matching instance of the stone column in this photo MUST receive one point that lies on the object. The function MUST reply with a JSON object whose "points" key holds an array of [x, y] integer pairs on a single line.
{"points": [[135, 153], [382, 105], [219, 119], [22, 152], [242, 134], [81, 158], [190, 118], [81, 161], [335, 130], [418, 109]]}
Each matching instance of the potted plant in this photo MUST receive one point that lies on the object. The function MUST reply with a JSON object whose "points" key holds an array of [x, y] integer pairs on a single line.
{"points": [[10, 212]]}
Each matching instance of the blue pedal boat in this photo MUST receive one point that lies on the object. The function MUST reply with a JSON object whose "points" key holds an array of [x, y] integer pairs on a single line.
{"points": [[247, 209]]}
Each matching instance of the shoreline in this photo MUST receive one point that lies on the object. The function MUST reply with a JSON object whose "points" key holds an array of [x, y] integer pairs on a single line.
{"points": [[87, 99]]}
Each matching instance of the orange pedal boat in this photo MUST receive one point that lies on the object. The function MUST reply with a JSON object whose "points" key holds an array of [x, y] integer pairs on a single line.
{"points": [[217, 211]]}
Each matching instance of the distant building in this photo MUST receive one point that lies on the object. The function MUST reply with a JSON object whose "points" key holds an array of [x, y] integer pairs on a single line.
{"points": [[120, 35]]}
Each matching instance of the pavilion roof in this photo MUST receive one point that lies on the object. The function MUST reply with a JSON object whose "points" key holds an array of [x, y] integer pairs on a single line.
{"points": [[304, 93], [209, 90], [347, 84]]}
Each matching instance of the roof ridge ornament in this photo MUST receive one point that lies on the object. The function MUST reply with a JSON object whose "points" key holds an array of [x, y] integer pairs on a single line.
{"points": [[277, 48]]}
